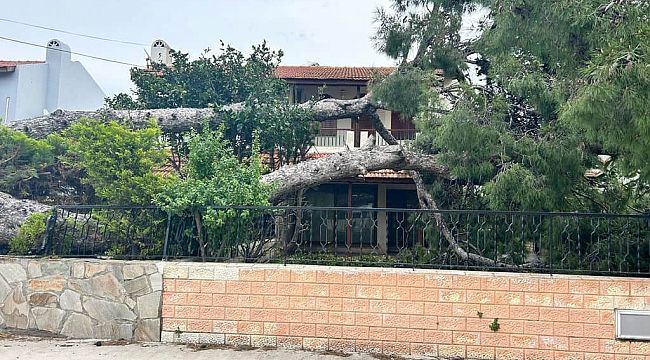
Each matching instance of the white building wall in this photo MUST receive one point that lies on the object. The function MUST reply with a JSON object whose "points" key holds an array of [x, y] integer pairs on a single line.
{"points": [[59, 83], [31, 90], [8, 89], [77, 89]]}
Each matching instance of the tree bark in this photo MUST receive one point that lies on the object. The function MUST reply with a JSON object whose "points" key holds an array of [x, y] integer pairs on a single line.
{"points": [[13, 213], [349, 164], [182, 119]]}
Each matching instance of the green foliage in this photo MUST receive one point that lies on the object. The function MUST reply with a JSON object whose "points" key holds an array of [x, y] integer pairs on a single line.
{"points": [[494, 325], [285, 133], [214, 176], [425, 29], [21, 159], [403, 91], [552, 101], [29, 235], [116, 161], [283, 130], [122, 101], [210, 80], [331, 259]]}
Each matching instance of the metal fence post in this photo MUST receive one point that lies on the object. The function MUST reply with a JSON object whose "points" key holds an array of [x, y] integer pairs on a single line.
{"points": [[50, 226], [169, 222]]}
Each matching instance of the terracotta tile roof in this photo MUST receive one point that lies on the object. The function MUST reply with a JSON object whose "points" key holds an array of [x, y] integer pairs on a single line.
{"points": [[330, 72], [12, 63]]}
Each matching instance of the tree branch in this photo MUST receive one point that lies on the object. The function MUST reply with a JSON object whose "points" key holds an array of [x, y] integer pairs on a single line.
{"points": [[349, 164], [182, 119]]}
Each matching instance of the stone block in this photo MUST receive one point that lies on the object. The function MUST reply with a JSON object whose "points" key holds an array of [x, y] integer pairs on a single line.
{"points": [[49, 283], [5, 289], [201, 272], [132, 271], [150, 269], [114, 330], [93, 268], [44, 299], [175, 271], [147, 330], [104, 286], [70, 300], [34, 269], [224, 273], [78, 270], [15, 309], [168, 336], [137, 287], [13, 273], [48, 319], [149, 305], [189, 338], [49, 268], [106, 311], [212, 338], [78, 326], [156, 281]]}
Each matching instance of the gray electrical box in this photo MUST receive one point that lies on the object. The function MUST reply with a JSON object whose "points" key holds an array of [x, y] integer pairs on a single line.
{"points": [[633, 324]]}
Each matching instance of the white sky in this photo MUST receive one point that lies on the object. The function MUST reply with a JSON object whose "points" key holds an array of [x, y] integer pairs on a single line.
{"points": [[330, 32]]}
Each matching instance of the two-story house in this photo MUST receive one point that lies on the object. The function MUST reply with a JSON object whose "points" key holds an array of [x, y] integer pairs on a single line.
{"points": [[383, 230]]}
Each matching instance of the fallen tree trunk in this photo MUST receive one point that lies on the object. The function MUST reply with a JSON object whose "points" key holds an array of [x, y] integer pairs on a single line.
{"points": [[182, 119], [291, 178], [13, 213], [426, 201]]}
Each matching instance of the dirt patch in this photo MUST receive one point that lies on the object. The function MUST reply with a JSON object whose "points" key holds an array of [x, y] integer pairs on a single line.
{"points": [[335, 353], [120, 342], [28, 335], [387, 357]]}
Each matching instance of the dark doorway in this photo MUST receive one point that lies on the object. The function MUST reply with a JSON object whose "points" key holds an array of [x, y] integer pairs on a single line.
{"points": [[401, 232]]}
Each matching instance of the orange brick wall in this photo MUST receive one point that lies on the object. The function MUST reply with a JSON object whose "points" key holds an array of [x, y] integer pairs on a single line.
{"points": [[401, 311]]}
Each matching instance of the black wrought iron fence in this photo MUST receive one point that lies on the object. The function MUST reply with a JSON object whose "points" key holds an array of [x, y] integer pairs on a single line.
{"points": [[465, 239]]}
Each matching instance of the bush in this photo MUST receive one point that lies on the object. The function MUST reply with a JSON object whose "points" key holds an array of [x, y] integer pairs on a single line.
{"points": [[29, 235]]}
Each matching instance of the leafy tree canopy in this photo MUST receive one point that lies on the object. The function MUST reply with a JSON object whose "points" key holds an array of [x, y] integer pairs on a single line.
{"points": [[21, 160], [117, 162], [210, 80], [550, 100], [285, 131]]}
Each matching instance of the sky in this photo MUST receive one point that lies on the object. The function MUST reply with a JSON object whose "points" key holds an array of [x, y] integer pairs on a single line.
{"points": [[329, 32]]}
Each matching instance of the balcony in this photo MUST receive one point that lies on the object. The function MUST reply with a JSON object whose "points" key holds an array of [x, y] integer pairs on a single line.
{"points": [[335, 139]]}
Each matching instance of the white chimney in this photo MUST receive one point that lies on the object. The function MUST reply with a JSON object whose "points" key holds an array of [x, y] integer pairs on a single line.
{"points": [[160, 53]]}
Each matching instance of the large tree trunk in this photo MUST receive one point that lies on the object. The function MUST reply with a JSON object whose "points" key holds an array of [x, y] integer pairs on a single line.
{"points": [[349, 164], [182, 119], [13, 213]]}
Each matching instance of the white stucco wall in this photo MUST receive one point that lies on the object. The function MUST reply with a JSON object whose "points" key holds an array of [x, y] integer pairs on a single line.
{"points": [[59, 83], [8, 87], [77, 89], [31, 90]]}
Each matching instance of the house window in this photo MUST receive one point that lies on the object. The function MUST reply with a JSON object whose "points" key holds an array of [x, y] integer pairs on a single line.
{"points": [[328, 128], [343, 230], [298, 98]]}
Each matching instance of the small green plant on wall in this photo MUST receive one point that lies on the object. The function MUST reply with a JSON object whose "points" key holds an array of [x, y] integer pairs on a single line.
{"points": [[494, 325]]}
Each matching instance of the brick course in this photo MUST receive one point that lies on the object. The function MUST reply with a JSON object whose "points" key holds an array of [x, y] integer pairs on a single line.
{"points": [[400, 311]]}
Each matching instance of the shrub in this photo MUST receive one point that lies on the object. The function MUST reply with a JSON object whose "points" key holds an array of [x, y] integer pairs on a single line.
{"points": [[29, 235]]}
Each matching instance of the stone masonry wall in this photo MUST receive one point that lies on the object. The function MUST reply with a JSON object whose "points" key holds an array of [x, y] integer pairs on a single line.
{"points": [[402, 311], [99, 299]]}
